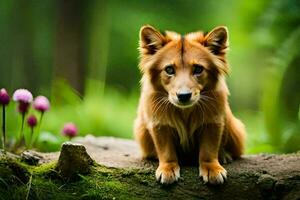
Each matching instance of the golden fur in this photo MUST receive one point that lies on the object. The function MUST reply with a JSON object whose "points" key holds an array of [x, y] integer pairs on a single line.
{"points": [[200, 128]]}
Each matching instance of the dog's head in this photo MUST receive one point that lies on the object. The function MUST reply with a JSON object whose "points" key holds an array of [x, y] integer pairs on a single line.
{"points": [[183, 67]]}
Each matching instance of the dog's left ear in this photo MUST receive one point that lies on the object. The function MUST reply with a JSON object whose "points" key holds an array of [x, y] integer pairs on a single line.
{"points": [[217, 40]]}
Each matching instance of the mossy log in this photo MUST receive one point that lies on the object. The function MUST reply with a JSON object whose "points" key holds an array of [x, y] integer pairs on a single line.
{"points": [[119, 173]]}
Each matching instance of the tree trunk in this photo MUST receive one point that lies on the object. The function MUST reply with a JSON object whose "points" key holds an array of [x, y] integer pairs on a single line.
{"points": [[69, 60]]}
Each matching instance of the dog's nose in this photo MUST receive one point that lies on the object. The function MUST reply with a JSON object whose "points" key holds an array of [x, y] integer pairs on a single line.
{"points": [[184, 97]]}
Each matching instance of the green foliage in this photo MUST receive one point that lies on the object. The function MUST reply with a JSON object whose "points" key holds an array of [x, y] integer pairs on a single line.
{"points": [[281, 99], [99, 113], [281, 113], [263, 56]]}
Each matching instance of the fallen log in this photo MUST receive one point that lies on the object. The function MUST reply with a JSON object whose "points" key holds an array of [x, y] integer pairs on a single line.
{"points": [[121, 174]]}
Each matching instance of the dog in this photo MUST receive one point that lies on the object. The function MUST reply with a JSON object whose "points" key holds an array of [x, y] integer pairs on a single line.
{"points": [[183, 111]]}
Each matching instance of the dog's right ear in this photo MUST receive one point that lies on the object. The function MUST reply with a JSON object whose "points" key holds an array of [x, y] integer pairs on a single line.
{"points": [[151, 40]]}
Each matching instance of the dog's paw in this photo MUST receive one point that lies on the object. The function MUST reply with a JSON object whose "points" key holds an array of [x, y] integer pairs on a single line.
{"points": [[167, 173], [212, 172]]}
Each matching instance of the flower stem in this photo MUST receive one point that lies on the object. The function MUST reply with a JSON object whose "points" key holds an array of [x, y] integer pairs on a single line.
{"points": [[22, 139], [30, 138], [3, 127], [38, 129]]}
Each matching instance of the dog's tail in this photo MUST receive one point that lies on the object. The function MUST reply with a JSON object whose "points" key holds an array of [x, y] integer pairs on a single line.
{"points": [[234, 135]]}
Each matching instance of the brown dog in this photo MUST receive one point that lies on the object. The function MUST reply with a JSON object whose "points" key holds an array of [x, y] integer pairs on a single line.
{"points": [[183, 110]]}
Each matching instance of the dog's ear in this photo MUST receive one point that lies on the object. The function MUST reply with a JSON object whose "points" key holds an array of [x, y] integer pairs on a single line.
{"points": [[217, 40], [151, 40]]}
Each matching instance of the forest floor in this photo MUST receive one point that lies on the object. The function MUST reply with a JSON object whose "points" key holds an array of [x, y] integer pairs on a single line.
{"points": [[116, 171]]}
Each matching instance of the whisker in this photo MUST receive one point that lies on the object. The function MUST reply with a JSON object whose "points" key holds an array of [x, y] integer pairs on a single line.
{"points": [[157, 104], [207, 108], [210, 101], [207, 97]]}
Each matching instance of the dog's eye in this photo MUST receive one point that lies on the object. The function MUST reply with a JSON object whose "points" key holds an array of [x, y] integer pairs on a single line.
{"points": [[170, 70], [198, 69]]}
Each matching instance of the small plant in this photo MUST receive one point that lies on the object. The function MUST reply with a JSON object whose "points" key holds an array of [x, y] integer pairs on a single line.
{"points": [[31, 122], [40, 104], [69, 130], [24, 99], [4, 101]]}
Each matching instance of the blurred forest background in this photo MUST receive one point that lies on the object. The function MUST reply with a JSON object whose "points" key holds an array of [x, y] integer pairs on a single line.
{"points": [[83, 56]]}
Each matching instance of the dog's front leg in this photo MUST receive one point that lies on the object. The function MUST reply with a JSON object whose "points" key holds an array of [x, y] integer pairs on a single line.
{"points": [[168, 170], [209, 167]]}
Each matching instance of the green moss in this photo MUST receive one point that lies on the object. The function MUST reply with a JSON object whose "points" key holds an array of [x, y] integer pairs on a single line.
{"points": [[44, 168], [14, 177], [101, 183], [13, 171]]}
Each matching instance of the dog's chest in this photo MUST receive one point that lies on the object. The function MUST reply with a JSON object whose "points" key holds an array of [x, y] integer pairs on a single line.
{"points": [[190, 121], [185, 124]]}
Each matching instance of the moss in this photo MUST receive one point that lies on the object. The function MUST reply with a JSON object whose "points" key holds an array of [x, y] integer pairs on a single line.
{"points": [[14, 175], [111, 183], [102, 183], [43, 169], [13, 171]]}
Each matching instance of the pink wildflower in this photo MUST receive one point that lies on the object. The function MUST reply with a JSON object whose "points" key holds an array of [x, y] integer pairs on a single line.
{"points": [[24, 97], [4, 97], [32, 121], [41, 103], [70, 130]]}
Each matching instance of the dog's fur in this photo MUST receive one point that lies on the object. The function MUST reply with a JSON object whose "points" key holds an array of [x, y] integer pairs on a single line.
{"points": [[203, 128]]}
